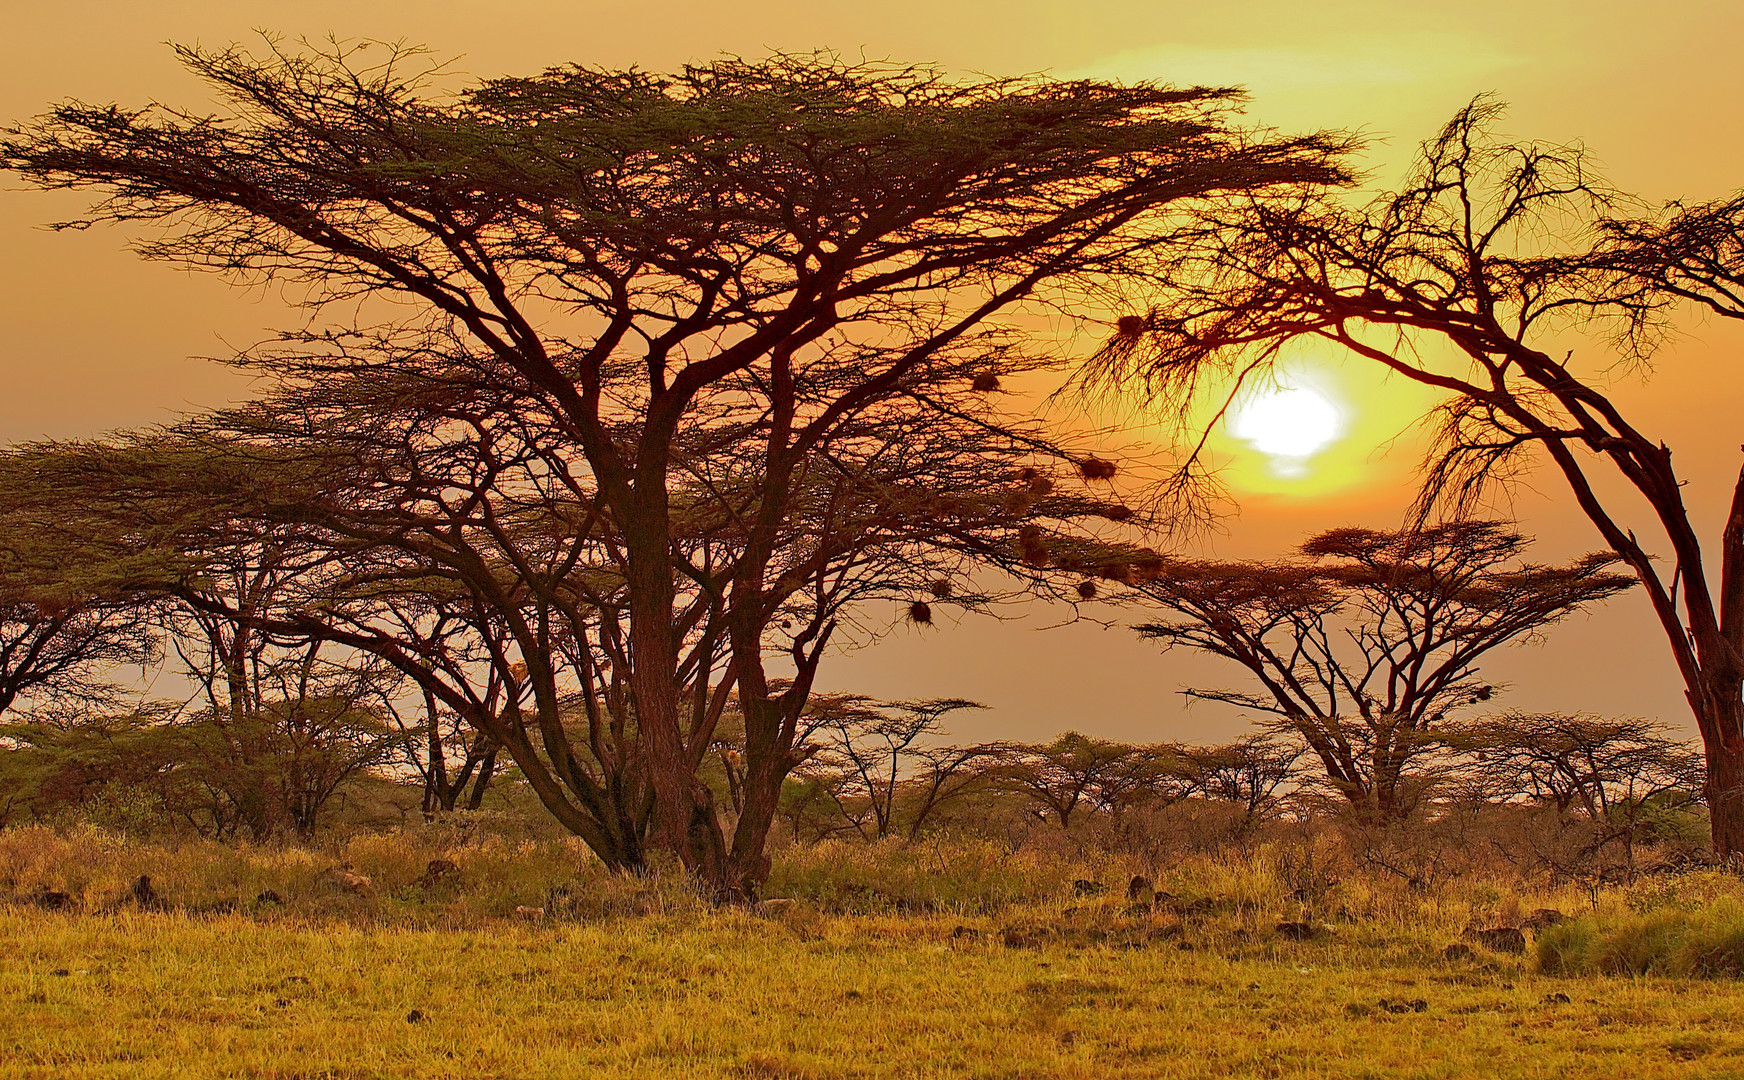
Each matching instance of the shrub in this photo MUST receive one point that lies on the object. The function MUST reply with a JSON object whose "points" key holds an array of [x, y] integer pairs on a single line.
{"points": [[1705, 943]]}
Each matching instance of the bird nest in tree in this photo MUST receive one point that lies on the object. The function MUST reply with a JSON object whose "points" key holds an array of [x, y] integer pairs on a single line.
{"points": [[1087, 590], [1095, 468], [920, 612], [986, 382]]}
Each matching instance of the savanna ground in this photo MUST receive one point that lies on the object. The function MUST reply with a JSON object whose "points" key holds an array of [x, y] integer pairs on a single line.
{"points": [[946, 958]]}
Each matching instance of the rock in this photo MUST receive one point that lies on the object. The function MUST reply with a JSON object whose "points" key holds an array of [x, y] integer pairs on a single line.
{"points": [[1400, 1005], [1140, 891], [344, 877], [1507, 939], [1197, 909], [52, 900], [1295, 931], [1082, 887], [435, 871], [1459, 950], [145, 896], [775, 905], [1542, 919], [267, 896]]}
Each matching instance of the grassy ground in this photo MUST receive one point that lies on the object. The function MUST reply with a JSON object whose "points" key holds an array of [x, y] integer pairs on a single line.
{"points": [[734, 995], [924, 961]]}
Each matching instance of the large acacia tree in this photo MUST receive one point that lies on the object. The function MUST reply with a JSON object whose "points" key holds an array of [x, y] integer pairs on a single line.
{"points": [[796, 240], [1463, 280]]}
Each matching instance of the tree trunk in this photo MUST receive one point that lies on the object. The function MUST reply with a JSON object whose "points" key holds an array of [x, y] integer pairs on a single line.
{"points": [[1723, 747]]}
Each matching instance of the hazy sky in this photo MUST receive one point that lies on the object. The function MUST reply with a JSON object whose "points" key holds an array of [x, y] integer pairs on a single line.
{"points": [[95, 339]]}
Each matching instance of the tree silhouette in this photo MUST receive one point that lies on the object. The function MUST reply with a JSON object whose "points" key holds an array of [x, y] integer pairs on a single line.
{"points": [[1458, 281], [793, 245], [1371, 639]]}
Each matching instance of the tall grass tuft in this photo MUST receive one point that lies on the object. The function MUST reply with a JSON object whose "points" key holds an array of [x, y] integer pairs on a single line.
{"points": [[1703, 943]]}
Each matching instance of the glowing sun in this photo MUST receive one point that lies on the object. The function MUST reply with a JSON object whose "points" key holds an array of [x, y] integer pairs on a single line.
{"points": [[1289, 424]]}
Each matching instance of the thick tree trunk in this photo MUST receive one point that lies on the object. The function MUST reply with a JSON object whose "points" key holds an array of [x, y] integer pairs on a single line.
{"points": [[1722, 722]]}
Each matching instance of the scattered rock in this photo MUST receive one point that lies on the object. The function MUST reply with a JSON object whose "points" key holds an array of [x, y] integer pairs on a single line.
{"points": [[1400, 1005], [416, 1016], [52, 899], [1542, 919], [1082, 887], [435, 871], [145, 896], [1507, 939], [350, 880], [1140, 890], [1201, 908], [267, 896], [775, 905], [531, 914], [1459, 950], [1296, 931]]}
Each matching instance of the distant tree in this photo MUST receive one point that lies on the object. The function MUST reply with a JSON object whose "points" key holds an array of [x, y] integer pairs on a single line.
{"points": [[1077, 772], [874, 749], [1248, 773], [1368, 640], [797, 246], [1461, 280], [1613, 775], [68, 617]]}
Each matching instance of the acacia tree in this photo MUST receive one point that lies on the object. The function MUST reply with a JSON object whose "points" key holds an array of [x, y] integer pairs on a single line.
{"points": [[871, 747], [1460, 281], [1609, 774], [795, 240], [1076, 771], [69, 614], [1247, 773], [1370, 639]]}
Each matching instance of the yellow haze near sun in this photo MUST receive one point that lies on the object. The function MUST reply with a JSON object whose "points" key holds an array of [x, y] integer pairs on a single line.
{"points": [[1322, 422]]}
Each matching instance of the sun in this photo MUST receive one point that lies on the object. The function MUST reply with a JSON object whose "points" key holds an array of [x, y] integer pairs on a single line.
{"points": [[1287, 422]]}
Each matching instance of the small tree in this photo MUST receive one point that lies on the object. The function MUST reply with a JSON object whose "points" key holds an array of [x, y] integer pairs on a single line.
{"points": [[1614, 776], [874, 749], [1368, 640], [1247, 774], [1077, 772]]}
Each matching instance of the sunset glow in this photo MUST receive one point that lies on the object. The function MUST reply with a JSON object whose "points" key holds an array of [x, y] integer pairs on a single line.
{"points": [[1289, 424]]}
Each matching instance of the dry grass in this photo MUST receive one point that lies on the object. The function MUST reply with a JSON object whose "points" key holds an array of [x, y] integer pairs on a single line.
{"points": [[960, 960]]}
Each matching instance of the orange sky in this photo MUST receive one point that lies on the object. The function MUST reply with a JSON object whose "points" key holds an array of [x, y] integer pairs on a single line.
{"points": [[95, 340]]}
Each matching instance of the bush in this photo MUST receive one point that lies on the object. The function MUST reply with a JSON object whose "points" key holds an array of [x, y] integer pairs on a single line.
{"points": [[1705, 943]]}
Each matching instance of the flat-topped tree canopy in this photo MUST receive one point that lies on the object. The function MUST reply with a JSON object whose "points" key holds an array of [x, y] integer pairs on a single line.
{"points": [[806, 251]]}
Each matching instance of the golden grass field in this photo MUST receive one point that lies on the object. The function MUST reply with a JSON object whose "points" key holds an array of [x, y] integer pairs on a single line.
{"points": [[397, 981]]}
